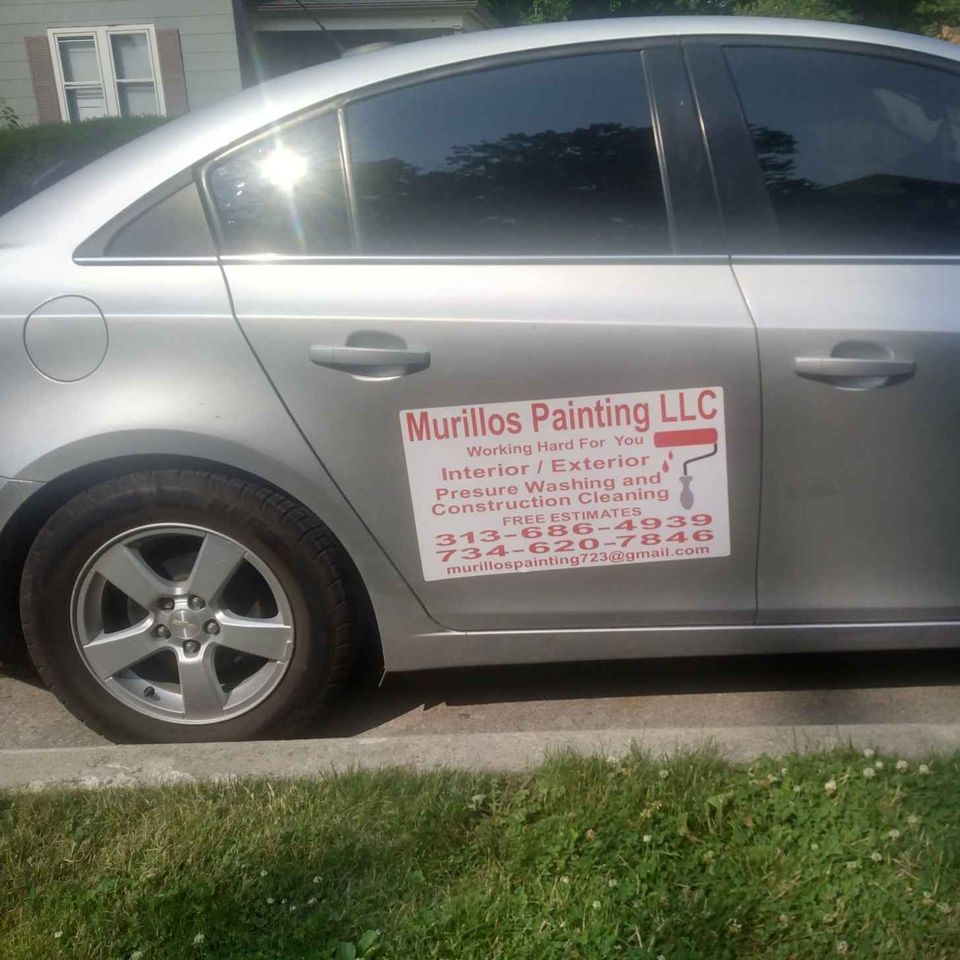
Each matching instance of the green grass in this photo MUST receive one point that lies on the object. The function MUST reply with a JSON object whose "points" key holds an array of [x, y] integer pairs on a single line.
{"points": [[694, 858]]}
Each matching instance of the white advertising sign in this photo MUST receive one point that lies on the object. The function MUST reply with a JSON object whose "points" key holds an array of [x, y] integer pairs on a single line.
{"points": [[568, 483]]}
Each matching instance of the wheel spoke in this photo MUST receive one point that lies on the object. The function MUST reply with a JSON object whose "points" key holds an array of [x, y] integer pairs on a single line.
{"points": [[129, 573], [203, 697], [270, 639], [217, 561], [109, 653]]}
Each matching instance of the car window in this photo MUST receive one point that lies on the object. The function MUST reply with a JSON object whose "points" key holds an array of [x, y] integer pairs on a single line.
{"points": [[860, 154], [541, 158], [284, 193], [174, 227]]}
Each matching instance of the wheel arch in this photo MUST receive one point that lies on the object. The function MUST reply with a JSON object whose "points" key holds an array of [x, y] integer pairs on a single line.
{"points": [[21, 530]]}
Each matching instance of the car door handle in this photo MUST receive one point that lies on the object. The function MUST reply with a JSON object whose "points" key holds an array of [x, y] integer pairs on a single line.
{"points": [[835, 369], [369, 359]]}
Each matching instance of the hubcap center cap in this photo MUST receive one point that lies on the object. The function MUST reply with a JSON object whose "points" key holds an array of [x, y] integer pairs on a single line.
{"points": [[185, 625]]}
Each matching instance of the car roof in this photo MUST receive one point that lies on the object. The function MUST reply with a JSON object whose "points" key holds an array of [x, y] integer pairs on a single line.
{"points": [[71, 210]]}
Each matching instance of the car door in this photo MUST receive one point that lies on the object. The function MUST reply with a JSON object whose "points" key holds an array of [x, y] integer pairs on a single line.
{"points": [[507, 342], [839, 168]]}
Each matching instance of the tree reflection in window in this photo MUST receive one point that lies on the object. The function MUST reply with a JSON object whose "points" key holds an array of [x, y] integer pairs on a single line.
{"points": [[859, 154], [593, 189], [543, 158]]}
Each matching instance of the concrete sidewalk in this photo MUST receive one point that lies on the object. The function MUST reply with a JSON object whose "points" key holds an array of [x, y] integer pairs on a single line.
{"points": [[104, 766]]}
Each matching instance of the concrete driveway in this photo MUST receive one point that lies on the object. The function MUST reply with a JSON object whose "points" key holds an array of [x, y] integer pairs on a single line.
{"points": [[716, 693]]}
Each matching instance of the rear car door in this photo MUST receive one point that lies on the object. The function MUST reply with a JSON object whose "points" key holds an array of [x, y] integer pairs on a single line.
{"points": [[839, 169], [426, 270]]}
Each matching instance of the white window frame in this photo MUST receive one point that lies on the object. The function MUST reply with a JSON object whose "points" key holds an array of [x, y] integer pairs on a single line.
{"points": [[105, 62]]}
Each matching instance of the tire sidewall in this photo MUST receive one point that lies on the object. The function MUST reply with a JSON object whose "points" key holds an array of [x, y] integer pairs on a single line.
{"points": [[52, 572]]}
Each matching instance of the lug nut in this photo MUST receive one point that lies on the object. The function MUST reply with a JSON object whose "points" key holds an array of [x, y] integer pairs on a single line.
{"points": [[191, 647], [161, 632], [196, 603], [211, 627], [166, 603]]}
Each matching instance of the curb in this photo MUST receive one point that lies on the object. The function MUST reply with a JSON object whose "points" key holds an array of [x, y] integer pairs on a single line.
{"points": [[157, 765]]}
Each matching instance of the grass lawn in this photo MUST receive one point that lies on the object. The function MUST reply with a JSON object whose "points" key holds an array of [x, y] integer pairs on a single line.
{"points": [[818, 856]]}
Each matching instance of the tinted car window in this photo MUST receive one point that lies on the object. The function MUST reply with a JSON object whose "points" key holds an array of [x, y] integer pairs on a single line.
{"points": [[284, 194], [860, 154], [174, 227], [549, 157]]}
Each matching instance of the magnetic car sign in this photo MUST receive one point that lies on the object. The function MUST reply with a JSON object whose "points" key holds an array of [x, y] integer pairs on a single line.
{"points": [[568, 483]]}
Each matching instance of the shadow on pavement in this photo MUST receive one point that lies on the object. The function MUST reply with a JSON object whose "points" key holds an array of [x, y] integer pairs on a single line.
{"points": [[363, 707]]}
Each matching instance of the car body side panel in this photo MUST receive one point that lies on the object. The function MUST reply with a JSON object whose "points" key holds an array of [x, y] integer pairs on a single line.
{"points": [[860, 517], [517, 332], [178, 379]]}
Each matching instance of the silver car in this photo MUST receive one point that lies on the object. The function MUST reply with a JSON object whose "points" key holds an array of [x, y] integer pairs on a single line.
{"points": [[632, 338]]}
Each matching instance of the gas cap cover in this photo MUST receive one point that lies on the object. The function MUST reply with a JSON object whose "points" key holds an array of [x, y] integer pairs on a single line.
{"points": [[66, 338]]}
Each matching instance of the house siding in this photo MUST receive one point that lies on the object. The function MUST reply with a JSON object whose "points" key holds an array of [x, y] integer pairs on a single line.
{"points": [[207, 37]]}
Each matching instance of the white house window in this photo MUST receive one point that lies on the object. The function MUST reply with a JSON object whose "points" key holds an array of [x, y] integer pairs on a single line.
{"points": [[106, 71]]}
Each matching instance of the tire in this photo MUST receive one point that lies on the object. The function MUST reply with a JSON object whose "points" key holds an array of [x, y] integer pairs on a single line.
{"points": [[289, 575]]}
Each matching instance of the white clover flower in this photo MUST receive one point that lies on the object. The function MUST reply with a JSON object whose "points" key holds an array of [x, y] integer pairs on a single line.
{"points": [[271, 901], [612, 759], [293, 908], [263, 873], [136, 955], [596, 904], [784, 919], [902, 765], [869, 772], [830, 788], [869, 753], [316, 879], [894, 834], [58, 935], [198, 939], [913, 819], [660, 956], [647, 838], [876, 856], [842, 947], [928, 896], [814, 846], [735, 926], [878, 765], [797, 788], [663, 774], [312, 902], [783, 771], [564, 879], [923, 769], [611, 883], [944, 908]]}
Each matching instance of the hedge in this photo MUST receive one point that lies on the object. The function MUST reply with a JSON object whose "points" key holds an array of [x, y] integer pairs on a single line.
{"points": [[32, 158]]}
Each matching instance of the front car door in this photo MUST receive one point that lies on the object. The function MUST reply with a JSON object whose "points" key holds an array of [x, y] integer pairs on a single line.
{"points": [[441, 276], [839, 169]]}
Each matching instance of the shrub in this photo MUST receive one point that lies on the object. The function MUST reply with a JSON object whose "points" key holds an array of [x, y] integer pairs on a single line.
{"points": [[801, 9], [8, 116], [32, 158]]}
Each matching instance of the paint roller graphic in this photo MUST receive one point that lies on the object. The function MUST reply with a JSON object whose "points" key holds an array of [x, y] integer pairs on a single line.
{"points": [[687, 438]]}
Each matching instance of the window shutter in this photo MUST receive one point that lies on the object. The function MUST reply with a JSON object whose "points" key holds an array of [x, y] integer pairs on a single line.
{"points": [[44, 80], [172, 76]]}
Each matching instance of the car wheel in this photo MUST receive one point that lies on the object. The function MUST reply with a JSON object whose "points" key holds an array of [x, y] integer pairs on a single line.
{"points": [[180, 605]]}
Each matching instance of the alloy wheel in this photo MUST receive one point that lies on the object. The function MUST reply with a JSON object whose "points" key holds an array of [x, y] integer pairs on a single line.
{"points": [[182, 623]]}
